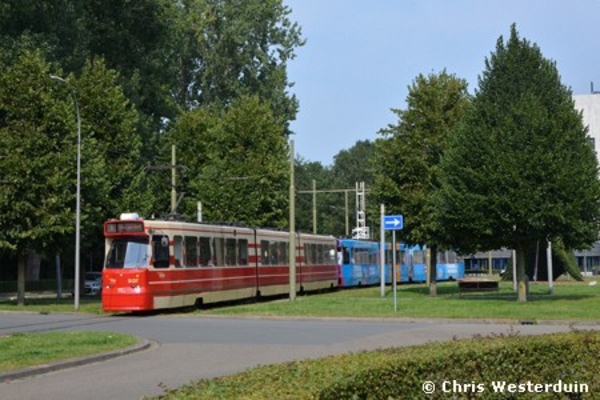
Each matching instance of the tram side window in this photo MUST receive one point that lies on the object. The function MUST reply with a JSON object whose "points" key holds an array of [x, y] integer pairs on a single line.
{"points": [[230, 251], [418, 257], [355, 259], [332, 255], [219, 251], [402, 257], [264, 252], [319, 253], [346, 256], [306, 248], [191, 251], [452, 257], [284, 252], [204, 256], [310, 253], [178, 251], [274, 253], [160, 251], [242, 252], [442, 257]]}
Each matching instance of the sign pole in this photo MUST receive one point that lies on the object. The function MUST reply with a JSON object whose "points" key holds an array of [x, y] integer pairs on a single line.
{"points": [[393, 223], [292, 222], [394, 271], [382, 252], [549, 264]]}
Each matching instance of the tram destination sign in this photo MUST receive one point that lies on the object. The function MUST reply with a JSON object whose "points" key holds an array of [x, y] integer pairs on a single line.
{"points": [[393, 222]]}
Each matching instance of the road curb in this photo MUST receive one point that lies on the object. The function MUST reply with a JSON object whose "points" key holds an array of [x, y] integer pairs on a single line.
{"points": [[415, 320], [141, 345]]}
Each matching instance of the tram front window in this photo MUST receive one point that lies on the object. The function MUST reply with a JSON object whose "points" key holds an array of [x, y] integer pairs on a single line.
{"points": [[126, 253]]}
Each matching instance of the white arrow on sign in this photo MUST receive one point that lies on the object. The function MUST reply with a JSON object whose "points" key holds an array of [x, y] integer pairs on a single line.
{"points": [[394, 222]]}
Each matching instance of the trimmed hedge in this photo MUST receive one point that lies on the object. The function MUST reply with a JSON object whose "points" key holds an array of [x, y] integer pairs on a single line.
{"points": [[464, 369]]}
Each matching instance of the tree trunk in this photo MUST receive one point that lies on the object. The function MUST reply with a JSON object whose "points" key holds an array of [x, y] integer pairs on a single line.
{"points": [[432, 270], [537, 260], [21, 264], [521, 275], [34, 260], [58, 278]]}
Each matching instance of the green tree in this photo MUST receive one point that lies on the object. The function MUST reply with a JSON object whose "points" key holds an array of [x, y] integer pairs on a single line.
{"points": [[140, 39], [37, 155], [354, 164], [238, 48], [191, 135], [111, 150], [56, 24], [350, 167], [305, 173], [520, 168], [38, 123], [408, 156], [239, 163], [333, 206]]}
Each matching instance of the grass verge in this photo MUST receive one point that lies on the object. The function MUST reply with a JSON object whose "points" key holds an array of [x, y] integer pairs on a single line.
{"points": [[569, 301], [50, 304], [22, 350]]}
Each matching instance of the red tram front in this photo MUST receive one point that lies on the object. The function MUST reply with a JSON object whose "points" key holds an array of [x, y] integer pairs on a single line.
{"points": [[125, 275]]}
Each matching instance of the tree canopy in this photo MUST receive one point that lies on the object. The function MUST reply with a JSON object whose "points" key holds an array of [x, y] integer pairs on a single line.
{"points": [[409, 152], [408, 156], [239, 163], [238, 48], [209, 76], [137, 38], [37, 155], [519, 168]]}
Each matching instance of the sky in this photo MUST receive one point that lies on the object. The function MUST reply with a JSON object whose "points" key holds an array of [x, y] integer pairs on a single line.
{"points": [[361, 56]]}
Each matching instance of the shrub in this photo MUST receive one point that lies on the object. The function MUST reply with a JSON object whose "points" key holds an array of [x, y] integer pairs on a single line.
{"points": [[399, 373]]}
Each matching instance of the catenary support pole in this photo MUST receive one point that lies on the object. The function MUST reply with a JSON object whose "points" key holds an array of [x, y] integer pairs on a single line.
{"points": [[292, 248]]}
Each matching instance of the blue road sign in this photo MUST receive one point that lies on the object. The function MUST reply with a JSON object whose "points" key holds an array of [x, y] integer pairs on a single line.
{"points": [[392, 222]]}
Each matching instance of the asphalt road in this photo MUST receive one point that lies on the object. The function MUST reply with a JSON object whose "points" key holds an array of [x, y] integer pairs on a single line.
{"points": [[187, 348]]}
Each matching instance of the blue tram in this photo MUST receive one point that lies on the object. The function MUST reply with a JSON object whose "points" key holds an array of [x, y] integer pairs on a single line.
{"points": [[358, 263], [413, 265]]}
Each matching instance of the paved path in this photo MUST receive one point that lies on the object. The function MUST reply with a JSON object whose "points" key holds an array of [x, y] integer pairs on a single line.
{"points": [[184, 349]]}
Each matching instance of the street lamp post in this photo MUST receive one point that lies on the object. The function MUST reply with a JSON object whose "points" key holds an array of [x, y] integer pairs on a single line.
{"points": [[78, 196]]}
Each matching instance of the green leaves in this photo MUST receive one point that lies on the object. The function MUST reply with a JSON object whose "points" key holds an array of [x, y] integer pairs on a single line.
{"points": [[236, 163], [38, 155], [519, 167], [475, 368], [407, 156], [36, 148], [239, 48]]}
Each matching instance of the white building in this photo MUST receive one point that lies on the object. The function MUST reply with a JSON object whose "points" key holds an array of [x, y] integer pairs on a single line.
{"points": [[589, 104]]}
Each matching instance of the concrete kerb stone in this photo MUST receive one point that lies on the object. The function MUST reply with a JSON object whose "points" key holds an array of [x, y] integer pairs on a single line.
{"points": [[141, 345], [417, 320]]}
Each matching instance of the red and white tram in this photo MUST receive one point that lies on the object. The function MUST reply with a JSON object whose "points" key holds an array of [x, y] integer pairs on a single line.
{"points": [[153, 264]]}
